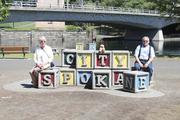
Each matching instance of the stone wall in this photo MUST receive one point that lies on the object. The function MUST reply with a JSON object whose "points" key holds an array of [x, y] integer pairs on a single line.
{"points": [[56, 39]]}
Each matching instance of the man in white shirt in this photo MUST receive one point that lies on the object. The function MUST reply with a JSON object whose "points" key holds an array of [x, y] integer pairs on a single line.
{"points": [[144, 55], [43, 57]]}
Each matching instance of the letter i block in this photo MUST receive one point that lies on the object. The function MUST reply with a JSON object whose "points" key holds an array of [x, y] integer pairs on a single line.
{"points": [[48, 78], [103, 60], [136, 81], [101, 79], [117, 77], [121, 60], [84, 77], [67, 76], [68, 58], [84, 59]]}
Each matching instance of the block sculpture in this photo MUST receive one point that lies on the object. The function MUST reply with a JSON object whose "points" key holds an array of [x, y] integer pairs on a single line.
{"points": [[136, 81], [84, 77], [117, 77], [101, 79], [48, 78], [103, 60], [67, 76], [68, 58]]}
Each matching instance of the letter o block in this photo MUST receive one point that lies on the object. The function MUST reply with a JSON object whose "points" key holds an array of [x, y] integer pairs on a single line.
{"points": [[48, 79], [136, 81], [84, 77]]}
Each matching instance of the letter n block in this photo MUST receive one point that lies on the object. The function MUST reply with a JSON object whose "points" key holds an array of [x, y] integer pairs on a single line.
{"points": [[84, 59], [103, 60], [101, 79], [48, 78], [67, 76], [84, 77], [121, 60], [136, 81], [68, 58], [117, 77]]}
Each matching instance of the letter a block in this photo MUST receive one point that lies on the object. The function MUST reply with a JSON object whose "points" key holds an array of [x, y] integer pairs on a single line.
{"points": [[48, 78], [68, 58], [103, 60], [136, 81], [121, 60], [67, 76], [84, 59], [83, 77], [101, 79], [117, 77]]}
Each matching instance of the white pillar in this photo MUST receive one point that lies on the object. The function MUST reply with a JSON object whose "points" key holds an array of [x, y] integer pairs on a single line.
{"points": [[158, 41]]}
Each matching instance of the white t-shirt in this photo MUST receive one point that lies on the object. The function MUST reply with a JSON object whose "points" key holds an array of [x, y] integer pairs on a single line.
{"points": [[44, 55], [144, 52]]}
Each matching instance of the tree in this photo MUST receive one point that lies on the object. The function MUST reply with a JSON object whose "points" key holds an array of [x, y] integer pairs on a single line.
{"points": [[170, 7], [3, 10]]}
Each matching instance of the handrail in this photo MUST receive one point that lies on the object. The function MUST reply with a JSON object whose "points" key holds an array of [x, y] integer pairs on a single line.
{"points": [[85, 8]]}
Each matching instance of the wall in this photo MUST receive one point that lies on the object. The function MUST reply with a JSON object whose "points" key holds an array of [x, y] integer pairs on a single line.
{"points": [[56, 39]]}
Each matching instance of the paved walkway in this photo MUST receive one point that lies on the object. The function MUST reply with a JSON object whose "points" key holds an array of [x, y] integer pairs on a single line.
{"points": [[17, 102]]}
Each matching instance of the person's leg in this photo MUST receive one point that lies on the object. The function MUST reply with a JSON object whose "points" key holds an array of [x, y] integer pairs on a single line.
{"points": [[150, 70], [137, 66], [34, 75]]}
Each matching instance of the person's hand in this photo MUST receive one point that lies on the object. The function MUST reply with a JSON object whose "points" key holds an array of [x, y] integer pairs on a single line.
{"points": [[39, 66], [146, 65], [141, 65]]}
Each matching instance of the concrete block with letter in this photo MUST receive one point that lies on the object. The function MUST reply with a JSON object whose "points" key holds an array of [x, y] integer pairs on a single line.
{"points": [[135, 81], [67, 76], [84, 77], [48, 78], [68, 58]]}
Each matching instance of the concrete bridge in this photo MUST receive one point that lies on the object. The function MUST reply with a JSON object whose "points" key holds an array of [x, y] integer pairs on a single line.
{"points": [[138, 22]]}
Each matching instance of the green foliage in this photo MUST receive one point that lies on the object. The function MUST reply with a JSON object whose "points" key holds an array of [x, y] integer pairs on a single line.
{"points": [[3, 11], [73, 28]]}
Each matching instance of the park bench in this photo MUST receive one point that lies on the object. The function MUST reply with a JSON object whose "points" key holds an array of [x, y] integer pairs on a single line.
{"points": [[14, 50]]}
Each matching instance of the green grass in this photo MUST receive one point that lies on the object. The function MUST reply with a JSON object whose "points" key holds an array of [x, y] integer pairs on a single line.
{"points": [[18, 26], [21, 56]]}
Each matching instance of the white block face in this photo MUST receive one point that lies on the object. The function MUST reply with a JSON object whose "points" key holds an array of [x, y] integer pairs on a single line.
{"points": [[136, 81], [101, 79], [48, 79]]}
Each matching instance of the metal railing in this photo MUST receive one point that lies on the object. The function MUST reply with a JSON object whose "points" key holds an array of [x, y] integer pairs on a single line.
{"points": [[82, 8]]}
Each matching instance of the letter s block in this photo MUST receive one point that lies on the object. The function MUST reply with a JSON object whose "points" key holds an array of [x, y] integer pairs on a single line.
{"points": [[48, 78], [136, 81]]}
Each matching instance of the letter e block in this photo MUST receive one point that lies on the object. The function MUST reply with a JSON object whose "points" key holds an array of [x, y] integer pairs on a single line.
{"points": [[48, 78], [101, 79], [83, 77], [136, 81]]}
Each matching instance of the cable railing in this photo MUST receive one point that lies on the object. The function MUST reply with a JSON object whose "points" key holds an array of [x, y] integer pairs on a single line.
{"points": [[81, 8]]}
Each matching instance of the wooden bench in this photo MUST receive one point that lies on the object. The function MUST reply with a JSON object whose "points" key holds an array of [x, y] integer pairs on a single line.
{"points": [[14, 50]]}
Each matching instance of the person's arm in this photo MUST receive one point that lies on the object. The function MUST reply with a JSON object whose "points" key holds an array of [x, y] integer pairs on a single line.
{"points": [[136, 55], [152, 56]]}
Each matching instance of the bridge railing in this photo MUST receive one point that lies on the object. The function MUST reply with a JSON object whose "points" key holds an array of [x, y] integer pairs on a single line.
{"points": [[84, 8]]}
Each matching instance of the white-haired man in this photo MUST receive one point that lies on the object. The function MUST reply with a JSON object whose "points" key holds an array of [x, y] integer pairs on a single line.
{"points": [[43, 58]]}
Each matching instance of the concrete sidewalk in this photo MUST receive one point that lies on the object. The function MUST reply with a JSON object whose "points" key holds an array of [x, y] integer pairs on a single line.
{"points": [[74, 103]]}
